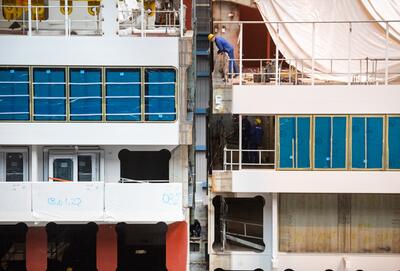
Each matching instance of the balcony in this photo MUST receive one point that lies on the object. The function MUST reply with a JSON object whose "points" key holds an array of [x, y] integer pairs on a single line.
{"points": [[306, 78], [41, 202], [312, 154], [94, 18]]}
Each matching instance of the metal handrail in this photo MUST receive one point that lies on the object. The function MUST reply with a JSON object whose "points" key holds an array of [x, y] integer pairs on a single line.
{"points": [[293, 73], [231, 161], [313, 75], [170, 27], [31, 22]]}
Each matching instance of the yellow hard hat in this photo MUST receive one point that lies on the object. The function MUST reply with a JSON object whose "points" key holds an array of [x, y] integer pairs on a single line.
{"points": [[210, 36], [258, 121]]}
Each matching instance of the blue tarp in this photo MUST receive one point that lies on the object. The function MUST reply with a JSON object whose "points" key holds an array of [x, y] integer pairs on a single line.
{"points": [[367, 142], [49, 94], [294, 151], [325, 128], [156, 104], [287, 134], [123, 95], [14, 94], [394, 142], [85, 94]]}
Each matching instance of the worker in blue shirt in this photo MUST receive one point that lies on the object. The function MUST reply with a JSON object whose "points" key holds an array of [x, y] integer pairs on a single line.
{"points": [[256, 136], [225, 47]]}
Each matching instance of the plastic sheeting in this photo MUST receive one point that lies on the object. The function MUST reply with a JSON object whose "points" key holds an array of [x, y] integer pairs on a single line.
{"points": [[294, 142], [330, 142], [394, 142], [85, 94], [14, 94], [123, 96], [332, 41], [160, 94], [367, 142], [49, 94]]}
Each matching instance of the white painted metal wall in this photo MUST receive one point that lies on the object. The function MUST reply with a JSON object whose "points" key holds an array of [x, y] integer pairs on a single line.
{"points": [[325, 99]]}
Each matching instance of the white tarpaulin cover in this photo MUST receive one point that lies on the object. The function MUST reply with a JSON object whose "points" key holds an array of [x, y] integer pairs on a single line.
{"points": [[332, 40]]}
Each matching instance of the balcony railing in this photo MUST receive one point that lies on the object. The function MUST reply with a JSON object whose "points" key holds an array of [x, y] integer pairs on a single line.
{"points": [[90, 201], [236, 159], [52, 20], [151, 23], [348, 68], [293, 72]]}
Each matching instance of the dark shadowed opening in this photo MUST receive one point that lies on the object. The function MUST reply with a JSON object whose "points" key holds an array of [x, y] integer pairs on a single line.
{"points": [[145, 165], [142, 247]]}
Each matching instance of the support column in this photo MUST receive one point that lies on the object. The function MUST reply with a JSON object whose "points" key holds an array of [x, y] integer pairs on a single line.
{"points": [[106, 248], [34, 173], [275, 231], [36, 249], [177, 246]]}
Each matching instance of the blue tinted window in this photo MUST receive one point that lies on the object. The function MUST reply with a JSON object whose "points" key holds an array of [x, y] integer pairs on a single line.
{"points": [[160, 94], [394, 142], [330, 142], [14, 94], [374, 142], [85, 94], [294, 142], [287, 133], [303, 142], [367, 142], [49, 94], [123, 92]]}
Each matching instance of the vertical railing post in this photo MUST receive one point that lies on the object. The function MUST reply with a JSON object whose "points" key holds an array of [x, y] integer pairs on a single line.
{"points": [[277, 54], [66, 24], [349, 75], [29, 17], [313, 54], [36, 18], [387, 53], [241, 54], [224, 158], [182, 23], [142, 21], [240, 141]]}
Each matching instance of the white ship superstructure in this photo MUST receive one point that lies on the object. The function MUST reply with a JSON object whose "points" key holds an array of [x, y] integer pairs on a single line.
{"points": [[94, 135]]}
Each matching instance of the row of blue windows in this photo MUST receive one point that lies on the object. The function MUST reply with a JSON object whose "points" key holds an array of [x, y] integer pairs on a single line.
{"points": [[127, 97], [328, 145]]}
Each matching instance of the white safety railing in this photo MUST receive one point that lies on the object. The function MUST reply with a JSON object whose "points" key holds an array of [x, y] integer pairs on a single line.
{"points": [[58, 20], [235, 159], [292, 71], [370, 70], [144, 22]]}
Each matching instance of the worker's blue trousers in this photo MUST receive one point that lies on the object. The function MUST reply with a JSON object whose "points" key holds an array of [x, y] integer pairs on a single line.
{"points": [[232, 63]]}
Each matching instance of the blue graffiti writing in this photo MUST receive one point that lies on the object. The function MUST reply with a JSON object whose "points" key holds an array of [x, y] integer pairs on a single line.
{"points": [[171, 198], [64, 202]]}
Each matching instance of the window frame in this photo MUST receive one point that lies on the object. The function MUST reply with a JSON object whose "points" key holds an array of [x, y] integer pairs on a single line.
{"points": [[66, 92], [29, 92], [3, 164], [144, 96], [347, 143], [387, 150], [101, 83], [103, 69], [384, 142], [278, 144], [73, 155], [105, 83]]}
